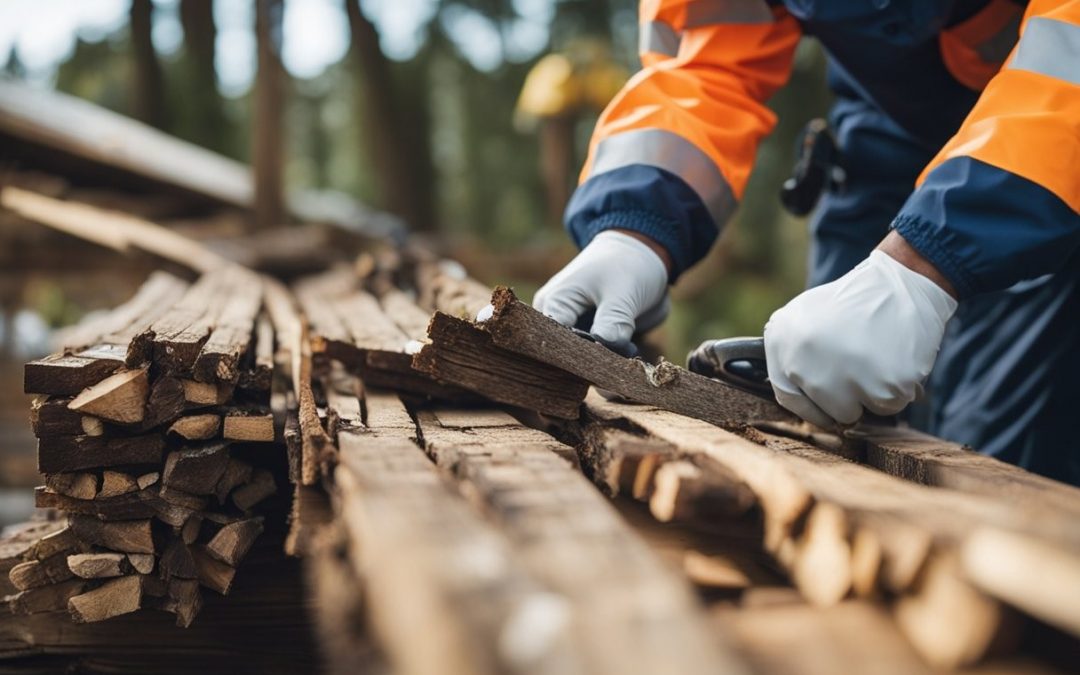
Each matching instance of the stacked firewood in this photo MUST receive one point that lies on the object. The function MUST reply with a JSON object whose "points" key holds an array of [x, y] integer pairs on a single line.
{"points": [[150, 420]]}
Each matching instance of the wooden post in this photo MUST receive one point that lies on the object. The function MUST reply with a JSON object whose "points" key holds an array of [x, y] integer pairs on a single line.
{"points": [[267, 142]]}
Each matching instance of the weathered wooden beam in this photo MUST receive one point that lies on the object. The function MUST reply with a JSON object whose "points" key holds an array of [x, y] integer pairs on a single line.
{"points": [[465, 355], [563, 527], [519, 328], [69, 374]]}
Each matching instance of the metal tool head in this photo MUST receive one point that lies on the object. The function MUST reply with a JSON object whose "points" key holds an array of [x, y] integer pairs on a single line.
{"points": [[738, 361]]}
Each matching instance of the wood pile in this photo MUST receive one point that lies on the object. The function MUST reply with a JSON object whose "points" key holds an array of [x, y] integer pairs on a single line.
{"points": [[150, 422]]}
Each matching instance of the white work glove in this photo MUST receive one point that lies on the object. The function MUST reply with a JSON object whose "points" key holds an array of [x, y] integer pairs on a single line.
{"points": [[867, 340], [618, 275]]}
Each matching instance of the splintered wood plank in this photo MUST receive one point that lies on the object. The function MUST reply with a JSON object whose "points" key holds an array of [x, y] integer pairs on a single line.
{"points": [[328, 332], [75, 453], [519, 328], [119, 398], [118, 326], [575, 542], [113, 598], [465, 355], [67, 374], [292, 332], [430, 566], [174, 340], [258, 374], [219, 359]]}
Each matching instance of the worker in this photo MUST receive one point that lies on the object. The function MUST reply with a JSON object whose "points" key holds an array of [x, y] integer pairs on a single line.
{"points": [[954, 236]]}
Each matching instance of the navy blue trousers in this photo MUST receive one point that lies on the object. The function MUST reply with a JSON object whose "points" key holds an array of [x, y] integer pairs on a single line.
{"points": [[1007, 379]]}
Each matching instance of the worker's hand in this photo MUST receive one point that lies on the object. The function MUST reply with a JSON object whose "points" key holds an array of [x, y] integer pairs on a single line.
{"points": [[620, 277], [867, 340]]}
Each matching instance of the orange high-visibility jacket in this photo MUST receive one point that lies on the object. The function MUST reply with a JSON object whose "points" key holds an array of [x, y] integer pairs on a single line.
{"points": [[672, 153]]}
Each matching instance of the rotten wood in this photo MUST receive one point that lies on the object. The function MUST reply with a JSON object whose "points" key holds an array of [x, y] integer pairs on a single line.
{"points": [[519, 328]]}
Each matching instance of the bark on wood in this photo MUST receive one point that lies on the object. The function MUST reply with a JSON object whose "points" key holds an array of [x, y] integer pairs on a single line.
{"points": [[115, 597], [177, 561], [258, 374], [75, 453], [67, 374], [233, 541], [521, 329], [465, 355], [196, 470], [50, 416], [197, 427], [131, 536], [237, 472], [132, 506]]}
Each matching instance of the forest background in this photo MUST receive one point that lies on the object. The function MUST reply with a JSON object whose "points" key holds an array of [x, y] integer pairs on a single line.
{"points": [[417, 107]]}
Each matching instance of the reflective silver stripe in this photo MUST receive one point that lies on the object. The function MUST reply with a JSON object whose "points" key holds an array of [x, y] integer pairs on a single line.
{"points": [[711, 12], [658, 37], [996, 48], [673, 153], [1050, 48]]}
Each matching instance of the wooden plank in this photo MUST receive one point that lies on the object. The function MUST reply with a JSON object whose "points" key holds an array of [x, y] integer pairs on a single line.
{"points": [[465, 355], [521, 329], [67, 374], [258, 374], [922, 458], [119, 398], [120, 325], [175, 340], [76, 453], [219, 359], [416, 546], [50, 416], [579, 546], [405, 313], [119, 231], [814, 502], [292, 332]]}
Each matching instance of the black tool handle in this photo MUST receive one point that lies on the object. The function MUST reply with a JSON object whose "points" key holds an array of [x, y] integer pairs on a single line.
{"points": [[736, 361]]}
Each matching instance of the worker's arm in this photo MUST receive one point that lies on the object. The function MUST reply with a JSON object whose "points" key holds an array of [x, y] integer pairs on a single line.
{"points": [[1000, 203], [671, 154]]}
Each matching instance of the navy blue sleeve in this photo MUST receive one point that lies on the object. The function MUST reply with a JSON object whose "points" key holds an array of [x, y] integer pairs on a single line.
{"points": [[985, 228], [647, 200]]}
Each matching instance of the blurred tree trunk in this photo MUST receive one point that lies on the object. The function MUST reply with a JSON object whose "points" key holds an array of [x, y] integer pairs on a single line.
{"points": [[557, 163], [268, 130], [148, 94], [208, 124], [395, 140]]}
